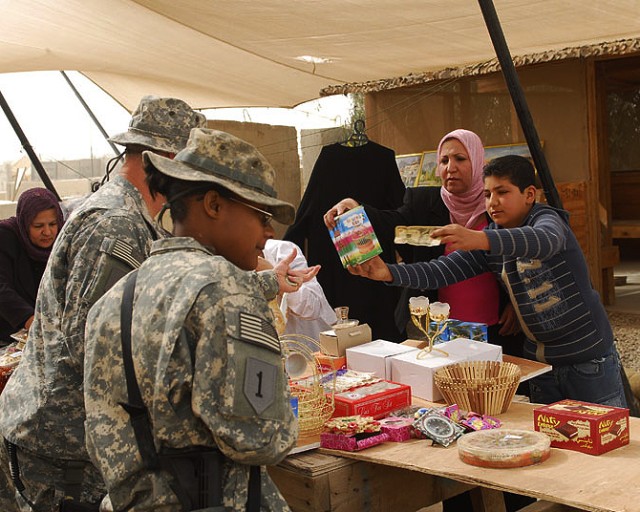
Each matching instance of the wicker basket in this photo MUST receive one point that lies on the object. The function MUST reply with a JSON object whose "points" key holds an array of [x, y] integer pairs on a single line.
{"points": [[485, 387]]}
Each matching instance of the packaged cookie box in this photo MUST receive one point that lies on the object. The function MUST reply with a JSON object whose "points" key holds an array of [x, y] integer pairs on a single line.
{"points": [[583, 427], [376, 400]]}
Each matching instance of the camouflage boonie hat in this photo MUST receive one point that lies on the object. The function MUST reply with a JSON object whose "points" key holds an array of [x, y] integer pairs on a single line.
{"points": [[161, 124], [219, 157]]}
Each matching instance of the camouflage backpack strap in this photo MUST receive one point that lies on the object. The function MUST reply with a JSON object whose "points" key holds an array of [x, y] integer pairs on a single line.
{"points": [[135, 407], [209, 463]]}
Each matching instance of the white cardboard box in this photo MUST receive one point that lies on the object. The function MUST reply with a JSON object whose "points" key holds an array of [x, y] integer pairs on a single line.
{"points": [[418, 373], [472, 350], [375, 357]]}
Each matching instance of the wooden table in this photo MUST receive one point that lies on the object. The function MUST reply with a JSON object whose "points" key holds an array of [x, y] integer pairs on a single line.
{"points": [[418, 475]]}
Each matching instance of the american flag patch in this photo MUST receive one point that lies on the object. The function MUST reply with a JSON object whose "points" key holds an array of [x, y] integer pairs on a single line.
{"points": [[121, 250], [258, 331]]}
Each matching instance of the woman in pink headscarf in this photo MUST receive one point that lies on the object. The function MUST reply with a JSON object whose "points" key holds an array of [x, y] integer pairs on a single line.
{"points": [[460, 200], [25, 245]]}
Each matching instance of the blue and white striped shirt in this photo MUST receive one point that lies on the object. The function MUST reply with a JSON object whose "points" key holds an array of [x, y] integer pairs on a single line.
{"points": [[545, 272]]}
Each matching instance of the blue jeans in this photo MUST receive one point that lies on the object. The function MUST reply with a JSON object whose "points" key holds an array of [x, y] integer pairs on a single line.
{"points": [[597, 381]]}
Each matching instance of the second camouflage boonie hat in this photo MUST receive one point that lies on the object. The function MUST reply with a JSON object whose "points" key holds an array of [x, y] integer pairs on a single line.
{"points": [[219, 157], [161, 124]]}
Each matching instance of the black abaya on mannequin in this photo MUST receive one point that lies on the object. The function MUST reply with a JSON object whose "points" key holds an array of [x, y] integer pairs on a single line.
{"points": [[369, 174]]}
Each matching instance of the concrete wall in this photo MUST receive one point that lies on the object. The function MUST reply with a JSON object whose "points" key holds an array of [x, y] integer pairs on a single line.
{"points": [[279, 145], [67, 189], [311, 143]]}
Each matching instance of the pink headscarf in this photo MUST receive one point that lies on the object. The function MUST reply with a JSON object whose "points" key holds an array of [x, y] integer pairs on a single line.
{"points": [[467, 208]]}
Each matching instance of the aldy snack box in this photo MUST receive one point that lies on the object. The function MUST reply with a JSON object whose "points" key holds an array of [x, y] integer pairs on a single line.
{"points": [[354, 238], [582, 426]]}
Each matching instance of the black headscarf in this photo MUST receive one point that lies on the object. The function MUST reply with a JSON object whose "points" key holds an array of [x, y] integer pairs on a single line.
{"points": [[30, 204]]}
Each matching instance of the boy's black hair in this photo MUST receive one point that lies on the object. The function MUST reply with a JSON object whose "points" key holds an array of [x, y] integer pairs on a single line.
{"points": [[517, 169], [176, 191]]}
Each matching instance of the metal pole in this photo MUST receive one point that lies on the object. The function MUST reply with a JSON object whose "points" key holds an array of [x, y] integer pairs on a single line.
{"points": [[519, 102], [90, 112], [35, 161]]}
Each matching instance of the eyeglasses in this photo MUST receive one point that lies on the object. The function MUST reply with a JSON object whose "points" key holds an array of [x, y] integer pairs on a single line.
{"points": [[265, 217]]}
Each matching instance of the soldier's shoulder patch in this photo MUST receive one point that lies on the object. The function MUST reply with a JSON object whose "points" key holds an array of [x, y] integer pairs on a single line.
{"points": [[120, 250], [253, 329]]}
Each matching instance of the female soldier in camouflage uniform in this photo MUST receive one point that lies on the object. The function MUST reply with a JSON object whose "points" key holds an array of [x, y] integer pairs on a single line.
{"points": [[207, 358]]}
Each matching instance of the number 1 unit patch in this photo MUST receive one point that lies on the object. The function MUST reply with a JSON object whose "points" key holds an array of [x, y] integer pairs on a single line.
{"points": [[259, 383]]}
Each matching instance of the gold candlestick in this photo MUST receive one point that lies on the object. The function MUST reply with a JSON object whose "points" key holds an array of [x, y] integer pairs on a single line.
{"points": [[424, 313]]}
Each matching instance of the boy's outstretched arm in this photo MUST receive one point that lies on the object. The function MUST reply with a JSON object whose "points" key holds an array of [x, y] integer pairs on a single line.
{"points": [[374, 269], [461, 238]]}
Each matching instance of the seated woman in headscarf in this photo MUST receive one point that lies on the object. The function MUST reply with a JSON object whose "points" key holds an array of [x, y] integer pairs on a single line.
{"points": [[25, 245]]}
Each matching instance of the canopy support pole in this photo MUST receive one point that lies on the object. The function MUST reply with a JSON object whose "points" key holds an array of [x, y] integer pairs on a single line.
{"points": [[90, 112], [533, 140], [35, 161], [519, 102]]}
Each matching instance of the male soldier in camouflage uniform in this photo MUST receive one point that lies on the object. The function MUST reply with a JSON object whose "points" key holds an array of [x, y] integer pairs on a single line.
{"points": [[42, 409], [207, 358]]}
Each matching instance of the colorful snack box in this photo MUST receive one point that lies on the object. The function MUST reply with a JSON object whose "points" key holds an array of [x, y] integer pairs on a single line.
{"points": [[582, 426], [354, 238], [471, 330], [327, 363]]}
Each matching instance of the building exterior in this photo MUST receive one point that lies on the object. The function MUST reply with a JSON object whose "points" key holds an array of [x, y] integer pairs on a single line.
{"points": [[585, 103]]}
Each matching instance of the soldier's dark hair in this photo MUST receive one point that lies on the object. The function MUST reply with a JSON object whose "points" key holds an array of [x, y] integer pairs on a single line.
{"points": [[517, 169], [177, 191]]}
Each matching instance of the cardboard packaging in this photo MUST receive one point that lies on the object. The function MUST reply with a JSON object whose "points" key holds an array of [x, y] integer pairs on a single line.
{"points": [[583, 427], [354, 238], [418, 373], [375, 357], [327, 363], [335, 342], [376, 400], [473, 350], [470, 330]]}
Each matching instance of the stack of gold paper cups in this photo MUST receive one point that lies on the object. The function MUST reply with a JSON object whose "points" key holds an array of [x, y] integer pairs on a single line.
{"points": [[484, 387]]}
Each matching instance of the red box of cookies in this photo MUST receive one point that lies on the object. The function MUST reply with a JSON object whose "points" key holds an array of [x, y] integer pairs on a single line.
{"points": [[583, 427], [376, 400]]}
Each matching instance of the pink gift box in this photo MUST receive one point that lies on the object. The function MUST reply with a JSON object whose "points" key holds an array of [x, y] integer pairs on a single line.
{"points": [[398, 429], [351, 442]]}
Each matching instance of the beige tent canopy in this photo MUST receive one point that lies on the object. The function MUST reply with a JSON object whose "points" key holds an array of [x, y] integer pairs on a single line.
{"points": [[220, 53]]}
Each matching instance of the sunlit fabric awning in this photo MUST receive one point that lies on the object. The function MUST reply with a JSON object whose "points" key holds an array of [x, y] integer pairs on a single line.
{"points": [[224, 53]]}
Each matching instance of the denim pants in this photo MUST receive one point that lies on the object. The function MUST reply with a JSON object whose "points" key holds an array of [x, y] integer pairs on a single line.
{"points": [[597, 381]]}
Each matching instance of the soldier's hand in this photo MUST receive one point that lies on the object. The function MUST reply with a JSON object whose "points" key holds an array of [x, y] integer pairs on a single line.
{"points": [[263, 264], [290, 280], [374, 269], [338, 209]]}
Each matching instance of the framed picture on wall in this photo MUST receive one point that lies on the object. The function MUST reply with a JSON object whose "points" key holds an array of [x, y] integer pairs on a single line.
{"points": [[427, 174], [423, 174], [520, 149], [409, 165]]}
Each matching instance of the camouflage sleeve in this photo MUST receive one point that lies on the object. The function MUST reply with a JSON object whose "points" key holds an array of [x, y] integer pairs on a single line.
{"points": [[101, 252], [269, 283], [240, 390]]}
